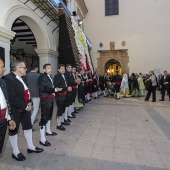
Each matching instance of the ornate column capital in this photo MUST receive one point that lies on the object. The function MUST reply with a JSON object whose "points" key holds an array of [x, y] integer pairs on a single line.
{"points": [[46, 53], [6, 35]]}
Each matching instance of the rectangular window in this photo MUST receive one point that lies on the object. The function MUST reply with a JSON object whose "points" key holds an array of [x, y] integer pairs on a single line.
{"points": [[111, 7]]}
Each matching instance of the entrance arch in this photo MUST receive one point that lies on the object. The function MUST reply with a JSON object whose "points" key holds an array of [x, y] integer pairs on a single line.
{"points": [[108, 57], [45, 40], [112, 66], [32, 20]]}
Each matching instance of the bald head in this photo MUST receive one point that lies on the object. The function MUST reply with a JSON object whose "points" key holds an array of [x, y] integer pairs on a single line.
{"points": [[2, 68]]}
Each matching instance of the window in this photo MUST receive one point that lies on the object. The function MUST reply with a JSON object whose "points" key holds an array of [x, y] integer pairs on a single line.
{"points": [[111, 7]]}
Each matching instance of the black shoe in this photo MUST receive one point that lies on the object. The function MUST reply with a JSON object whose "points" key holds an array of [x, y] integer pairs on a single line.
{"points": [[161, 100], [95, 98], [20, 157], [53, 134], [61, 128], [46, 143], [68, 120], [65, 123], [73, 114], [37, 150], [153, 100], [146, 100]]}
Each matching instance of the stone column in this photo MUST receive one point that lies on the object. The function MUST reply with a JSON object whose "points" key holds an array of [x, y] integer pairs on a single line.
{"points": [[5, 37], [47, 56]]}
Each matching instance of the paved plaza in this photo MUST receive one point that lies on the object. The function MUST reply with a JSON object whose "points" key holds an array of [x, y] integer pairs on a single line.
{"points": [[108, 134]]}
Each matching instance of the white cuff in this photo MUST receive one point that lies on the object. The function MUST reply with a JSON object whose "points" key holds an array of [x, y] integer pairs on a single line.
{"points": [[8, 117], [26, 108]]}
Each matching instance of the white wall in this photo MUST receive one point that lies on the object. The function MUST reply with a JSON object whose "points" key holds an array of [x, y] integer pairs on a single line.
{"points": [[143, 24]]}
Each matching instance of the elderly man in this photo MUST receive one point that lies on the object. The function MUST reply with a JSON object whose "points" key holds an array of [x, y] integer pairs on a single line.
{"points": [[21, 105], [4, 108]]}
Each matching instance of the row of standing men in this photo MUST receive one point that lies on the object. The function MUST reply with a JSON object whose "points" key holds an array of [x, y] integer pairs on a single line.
{"points": [[24, 93]]}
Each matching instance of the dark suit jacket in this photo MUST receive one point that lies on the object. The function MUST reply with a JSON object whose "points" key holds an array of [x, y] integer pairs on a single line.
{"points": [[16, 93], [45, 85], [162, 81], [60, 82], [70, 79]]}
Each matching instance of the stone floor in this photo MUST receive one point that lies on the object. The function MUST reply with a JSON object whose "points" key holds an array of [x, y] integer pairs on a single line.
{"points": [[108, 134]]}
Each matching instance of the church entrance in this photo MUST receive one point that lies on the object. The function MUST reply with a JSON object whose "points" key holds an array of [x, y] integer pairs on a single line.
{"points": [[113, 60], [112, 67]]}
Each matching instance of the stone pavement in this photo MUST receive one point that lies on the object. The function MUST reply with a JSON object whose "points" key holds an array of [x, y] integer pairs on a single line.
{"points": [[108, 134]]}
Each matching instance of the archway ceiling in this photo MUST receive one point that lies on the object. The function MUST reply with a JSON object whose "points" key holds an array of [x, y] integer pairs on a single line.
{"points": [[23, 33]]}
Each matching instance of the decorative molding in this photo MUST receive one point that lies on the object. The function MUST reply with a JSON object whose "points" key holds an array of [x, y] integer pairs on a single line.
{"points": [[6, 35], [46, 52]]}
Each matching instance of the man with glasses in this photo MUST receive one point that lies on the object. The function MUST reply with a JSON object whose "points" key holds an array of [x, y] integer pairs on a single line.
{"points": [[21, 105], [5, 114]]}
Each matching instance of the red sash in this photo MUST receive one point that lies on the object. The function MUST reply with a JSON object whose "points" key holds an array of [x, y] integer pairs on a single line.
{"points": [[62, 93], [117, 83], [27, 96], [74, 87], [49, 97], [3, 114]]}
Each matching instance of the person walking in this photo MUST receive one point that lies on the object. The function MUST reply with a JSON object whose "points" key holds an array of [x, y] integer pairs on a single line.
{"points": [[151, 81], [165, 85]]}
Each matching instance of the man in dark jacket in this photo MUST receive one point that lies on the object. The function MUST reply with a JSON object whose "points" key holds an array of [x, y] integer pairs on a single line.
{"points": [[47, 91], [165, 85], [21, 104], [5, 113], [70, 95], [60, 81], [117, 82]]}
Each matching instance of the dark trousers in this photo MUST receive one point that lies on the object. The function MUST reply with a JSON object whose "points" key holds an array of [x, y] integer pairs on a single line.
{"points": [[21, 117], [163, 92], [153, 91], [3, 128], [46, 110], [61, 104], [117, 88]]}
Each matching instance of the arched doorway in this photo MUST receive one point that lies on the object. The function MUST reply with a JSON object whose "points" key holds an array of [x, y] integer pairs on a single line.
{"points": [[42, 42], [112, 66], [23, 45]]}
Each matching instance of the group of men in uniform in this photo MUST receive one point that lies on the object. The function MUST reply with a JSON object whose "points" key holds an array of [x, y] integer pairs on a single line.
{"points": [[64, 87], [14, 90]]}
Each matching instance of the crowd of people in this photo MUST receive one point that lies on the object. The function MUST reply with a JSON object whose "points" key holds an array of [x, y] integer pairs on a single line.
{"points": [[21, 96]]}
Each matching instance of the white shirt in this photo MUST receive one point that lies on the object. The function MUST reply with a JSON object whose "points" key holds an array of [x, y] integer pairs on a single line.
{"points": [[52, 83], [4, 104], [64, 79]]}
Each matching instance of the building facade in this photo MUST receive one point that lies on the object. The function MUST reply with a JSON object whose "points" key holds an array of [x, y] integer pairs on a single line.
{"points": [[29, 30], [138, 28]]}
